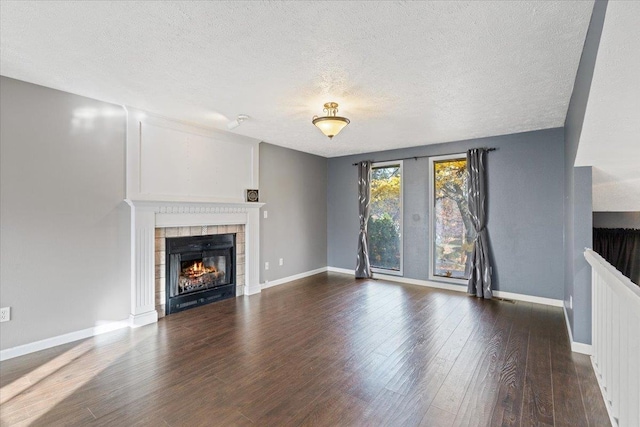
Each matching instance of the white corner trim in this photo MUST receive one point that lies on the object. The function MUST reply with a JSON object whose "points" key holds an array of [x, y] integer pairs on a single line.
{"points": [[529, 298], [272, 283], [46, 343], [576, 347]]}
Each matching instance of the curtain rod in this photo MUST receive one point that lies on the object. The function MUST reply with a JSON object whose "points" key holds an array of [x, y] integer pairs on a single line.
{"points": [[417, 157]]}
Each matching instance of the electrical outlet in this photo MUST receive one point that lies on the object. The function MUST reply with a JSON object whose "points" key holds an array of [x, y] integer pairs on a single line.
{"points": [[265, 214], [571, 302], [5, 314], [266, 265], [281, 261]]}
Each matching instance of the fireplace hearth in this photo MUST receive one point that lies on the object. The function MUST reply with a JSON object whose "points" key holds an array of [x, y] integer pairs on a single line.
{"points": [[199, 270]]}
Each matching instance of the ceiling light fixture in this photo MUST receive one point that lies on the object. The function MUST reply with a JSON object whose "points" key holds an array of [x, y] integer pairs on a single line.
{"points": [[330, 125], [234, 124]]}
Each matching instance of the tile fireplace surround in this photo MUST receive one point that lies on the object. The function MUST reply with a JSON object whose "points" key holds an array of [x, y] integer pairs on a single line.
{"points": [[151, 218], [162, 233]]}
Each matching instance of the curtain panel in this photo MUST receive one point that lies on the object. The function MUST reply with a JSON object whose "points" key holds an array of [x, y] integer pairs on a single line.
{"points": [[363, 268], [621, 247], [480, 265]]}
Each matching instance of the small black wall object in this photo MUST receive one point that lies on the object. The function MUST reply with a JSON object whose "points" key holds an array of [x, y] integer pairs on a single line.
{"points": [[252, 195]]}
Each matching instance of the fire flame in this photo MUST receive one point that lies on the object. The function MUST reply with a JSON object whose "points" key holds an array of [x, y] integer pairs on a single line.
{"points": [[197, 269]]}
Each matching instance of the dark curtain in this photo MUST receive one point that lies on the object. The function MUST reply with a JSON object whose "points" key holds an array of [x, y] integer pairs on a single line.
{"points": [[363, 269], [621, 247], [480, 265]]}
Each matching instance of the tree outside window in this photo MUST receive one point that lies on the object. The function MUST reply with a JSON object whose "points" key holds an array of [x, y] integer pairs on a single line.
{"points": [[453, 231], [385, 218]]}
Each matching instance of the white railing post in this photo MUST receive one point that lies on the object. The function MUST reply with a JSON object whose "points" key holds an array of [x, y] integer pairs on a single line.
{"points": [[615, 338]]}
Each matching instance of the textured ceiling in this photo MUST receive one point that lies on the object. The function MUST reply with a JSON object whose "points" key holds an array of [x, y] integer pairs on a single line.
{"points": [[610, 138], [405, 73]]}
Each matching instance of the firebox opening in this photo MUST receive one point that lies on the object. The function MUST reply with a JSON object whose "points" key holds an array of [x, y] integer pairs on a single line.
{"points": [[200, 270], [202, 273]]}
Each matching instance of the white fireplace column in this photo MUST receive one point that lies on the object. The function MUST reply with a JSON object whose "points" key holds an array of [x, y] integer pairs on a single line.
{"points": [[147, 215]]}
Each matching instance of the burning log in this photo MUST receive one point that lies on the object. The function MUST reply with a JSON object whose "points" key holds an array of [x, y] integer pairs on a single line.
{"points": [[198, 276]]}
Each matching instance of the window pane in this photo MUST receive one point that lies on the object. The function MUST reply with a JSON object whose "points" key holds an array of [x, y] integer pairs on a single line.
{"points": [[385, 218], [453, 232]]}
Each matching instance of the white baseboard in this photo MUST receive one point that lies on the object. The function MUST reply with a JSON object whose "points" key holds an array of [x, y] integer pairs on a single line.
{"points": [[419, 282], [272, 283], [341, 270], [576, 347], [21, 350], [135, 321], [457, 288], [252, 290], [529, 298]]}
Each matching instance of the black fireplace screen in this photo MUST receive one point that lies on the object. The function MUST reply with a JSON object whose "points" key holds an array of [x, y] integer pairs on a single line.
{"points": [[200, 270], [203, 272]]}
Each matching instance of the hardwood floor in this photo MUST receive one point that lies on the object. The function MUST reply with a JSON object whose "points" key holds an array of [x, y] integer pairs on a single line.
{"points": [[325, 350]]}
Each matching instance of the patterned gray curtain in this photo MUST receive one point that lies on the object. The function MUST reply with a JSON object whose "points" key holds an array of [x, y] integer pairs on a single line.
{"points": [[480, 274], [363, 269]]}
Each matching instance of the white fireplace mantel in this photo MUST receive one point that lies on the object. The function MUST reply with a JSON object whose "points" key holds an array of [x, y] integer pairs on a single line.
{"points": [[147, 215]]}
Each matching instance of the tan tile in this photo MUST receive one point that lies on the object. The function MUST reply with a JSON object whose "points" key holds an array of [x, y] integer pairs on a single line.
{"points": [[160, 308], [160, 232], [160, 271], [160, 284], [160, 244], [240, 237], [211, 229], [160, 298], [232, 228], [196, 231], [240, 280], [240, 248], [184, 231], [171, 232], [160, 256]]}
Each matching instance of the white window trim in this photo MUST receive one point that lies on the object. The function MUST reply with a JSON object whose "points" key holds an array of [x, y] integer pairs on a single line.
{"points": [[384, 270], [432, 211]]}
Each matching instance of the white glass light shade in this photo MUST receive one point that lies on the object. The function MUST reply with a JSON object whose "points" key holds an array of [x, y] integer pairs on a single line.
{"points": [[330, 125]]}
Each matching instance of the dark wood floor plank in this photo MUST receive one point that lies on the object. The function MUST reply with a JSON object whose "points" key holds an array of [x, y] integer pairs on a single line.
{"points": [[482, 393], [508, 405], [569, 409], [590, 391], [452, 391], [323, 350], [537, 404]]}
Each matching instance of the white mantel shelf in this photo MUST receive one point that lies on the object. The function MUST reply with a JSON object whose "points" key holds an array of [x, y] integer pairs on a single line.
{"points": [[147, 215], [190, 203]]}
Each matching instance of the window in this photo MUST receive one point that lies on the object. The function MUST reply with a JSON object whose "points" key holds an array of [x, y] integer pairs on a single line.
{"points": [[385, 218], [452, 232]]}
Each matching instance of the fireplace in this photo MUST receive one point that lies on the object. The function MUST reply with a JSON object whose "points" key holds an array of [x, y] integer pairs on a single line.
{"points": [[199, 270]]}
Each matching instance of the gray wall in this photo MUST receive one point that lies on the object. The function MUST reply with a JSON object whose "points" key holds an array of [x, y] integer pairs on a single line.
{"points": [[293, 185], [65, 229], [525, 221], [582, 238], [577, 233], [616, 220]]}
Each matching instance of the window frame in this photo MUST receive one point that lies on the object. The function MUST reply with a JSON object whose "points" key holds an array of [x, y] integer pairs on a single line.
{"points": [[379, 270], [432, 211]]}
